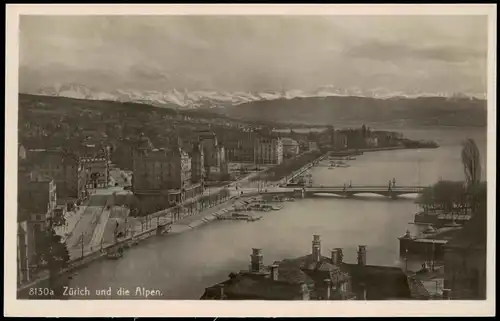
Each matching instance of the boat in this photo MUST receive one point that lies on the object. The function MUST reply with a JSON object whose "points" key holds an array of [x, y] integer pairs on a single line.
{"points": [[115, 254], [254, 218], [429, 230], [259, 207], [277, 207], [277, 199], [452, 224], [239, 217]]}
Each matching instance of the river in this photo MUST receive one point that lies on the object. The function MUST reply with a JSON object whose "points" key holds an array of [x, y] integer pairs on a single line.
{"points": [[182, 266]]}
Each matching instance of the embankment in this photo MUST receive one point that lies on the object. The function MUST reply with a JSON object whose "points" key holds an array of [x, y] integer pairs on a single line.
{"points": [[184, 224]]}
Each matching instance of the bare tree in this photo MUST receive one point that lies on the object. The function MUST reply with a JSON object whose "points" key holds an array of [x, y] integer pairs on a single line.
{"points": [[471, 162], [472, 168]]}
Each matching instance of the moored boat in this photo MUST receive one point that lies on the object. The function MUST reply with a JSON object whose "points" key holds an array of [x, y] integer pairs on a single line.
{"points": [[238, 217], [114, 254]]}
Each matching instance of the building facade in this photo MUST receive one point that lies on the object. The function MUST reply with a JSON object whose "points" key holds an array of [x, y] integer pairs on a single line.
{"points": [[96, 160], [37, 201], [197, 167], [268, 150], [211, 152], [166, 172], [241, 151], [214, 155], [291, 147], [97, 172], [65, 168]]}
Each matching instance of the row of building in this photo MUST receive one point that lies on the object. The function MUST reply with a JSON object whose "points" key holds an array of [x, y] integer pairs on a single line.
{"points": [[75, 172], [49, 183], [180, 170], [262, 149]]}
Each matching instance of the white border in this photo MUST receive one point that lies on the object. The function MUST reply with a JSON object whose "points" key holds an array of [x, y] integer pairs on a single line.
{"points": [[145, 308]]}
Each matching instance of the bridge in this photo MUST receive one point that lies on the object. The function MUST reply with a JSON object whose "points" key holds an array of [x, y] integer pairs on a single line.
{"points": [[349, 191]]}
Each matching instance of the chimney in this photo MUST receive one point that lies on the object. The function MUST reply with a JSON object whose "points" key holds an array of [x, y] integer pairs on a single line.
{"points": [[274, 272], [256, 260], [340, 255], [304, 291], [362, 255], [221, 294], [328, 284], [316, 248], [334, 256], [362, 292], [446, 294]]}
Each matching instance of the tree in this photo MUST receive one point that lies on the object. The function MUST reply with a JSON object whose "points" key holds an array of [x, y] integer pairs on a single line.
{"points": [[471, 162], [445, 195], [56, 256]]}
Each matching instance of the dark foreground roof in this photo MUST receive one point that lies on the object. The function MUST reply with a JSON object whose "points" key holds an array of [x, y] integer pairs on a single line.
{"points": [[254, 287], [380, 282]]}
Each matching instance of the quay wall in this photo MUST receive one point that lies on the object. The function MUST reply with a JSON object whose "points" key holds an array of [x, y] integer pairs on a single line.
{"points": [[304, 168], [74, 265]]}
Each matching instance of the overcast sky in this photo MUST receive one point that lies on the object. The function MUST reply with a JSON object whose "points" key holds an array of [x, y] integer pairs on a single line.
{"points": [[256, 53]]}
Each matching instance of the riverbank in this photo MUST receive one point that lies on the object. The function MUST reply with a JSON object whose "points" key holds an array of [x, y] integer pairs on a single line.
{"points": [[379, 149], [184, 224]]}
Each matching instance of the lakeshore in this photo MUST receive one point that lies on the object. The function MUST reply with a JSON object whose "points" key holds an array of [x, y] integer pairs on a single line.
{"points": [[360, 217], [186, 223]]}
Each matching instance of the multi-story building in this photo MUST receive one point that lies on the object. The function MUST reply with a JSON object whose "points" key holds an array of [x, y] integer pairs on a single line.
{"points": [[371, 142], [96, 160], [223, 168], [210, 147], [97, 172], [197, 167], [214, 154], [164, 172], [290, 147], [268, 150], [38, 197], [341, 141], [36, 202], [240, 151], [65, 168]]}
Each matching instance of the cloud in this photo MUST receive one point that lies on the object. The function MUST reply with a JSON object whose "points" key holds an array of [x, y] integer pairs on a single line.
{"points": [[386, 51], [256, 52]]}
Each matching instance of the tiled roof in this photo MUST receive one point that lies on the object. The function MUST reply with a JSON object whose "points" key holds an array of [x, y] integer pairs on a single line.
{"points": [[293, 275], [381, 282], [257, 287], [307, 263]]}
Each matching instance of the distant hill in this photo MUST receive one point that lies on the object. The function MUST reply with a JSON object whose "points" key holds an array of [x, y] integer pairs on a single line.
{"points": [[398, 111]]}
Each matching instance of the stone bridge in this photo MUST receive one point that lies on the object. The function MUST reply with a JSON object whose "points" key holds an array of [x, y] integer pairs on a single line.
{"points": [[392, 192]]}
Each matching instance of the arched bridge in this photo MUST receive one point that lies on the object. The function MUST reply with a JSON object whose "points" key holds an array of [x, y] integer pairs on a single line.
{"points": [[353, 190]]}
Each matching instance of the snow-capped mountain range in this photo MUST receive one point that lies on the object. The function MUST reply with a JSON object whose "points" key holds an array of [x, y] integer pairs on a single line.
{"points": [[213, 99]]}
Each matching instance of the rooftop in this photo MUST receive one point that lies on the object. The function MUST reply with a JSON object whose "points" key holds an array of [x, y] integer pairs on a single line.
{"points": [[248, 286], [313, 271]]}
